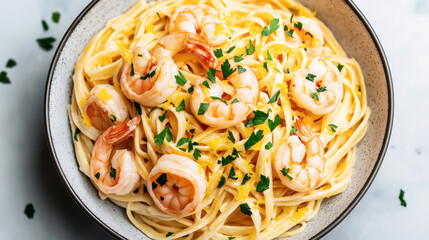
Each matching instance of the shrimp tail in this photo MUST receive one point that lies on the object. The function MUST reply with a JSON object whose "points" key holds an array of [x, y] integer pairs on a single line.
{"points": [[119, 133], [202, 50], [304, 133]]}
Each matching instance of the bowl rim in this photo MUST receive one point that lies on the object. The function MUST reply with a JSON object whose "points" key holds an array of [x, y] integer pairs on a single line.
{"points": [[321, 233]]}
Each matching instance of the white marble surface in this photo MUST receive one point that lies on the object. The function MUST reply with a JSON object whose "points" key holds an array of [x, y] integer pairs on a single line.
{"points": [[28, 175]]}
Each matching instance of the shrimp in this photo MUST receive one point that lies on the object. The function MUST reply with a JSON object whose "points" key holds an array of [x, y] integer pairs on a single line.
{"points": [[177, 185], [306, 31], [150, 78], [120, 177], [318, 88], [200, 19], [105, 107], [299, 162], [222, 113]]}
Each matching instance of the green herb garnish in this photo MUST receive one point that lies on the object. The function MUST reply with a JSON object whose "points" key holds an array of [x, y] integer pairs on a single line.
{"points": [[154, 185], [231, 136], [246, 178], [138, 108], [180, 79], [275, 97], [290, 33], [136, 191], [235, 100], [206, 84], [340, 67], [310, 77], [264, 184], [269, 55], [298, 25], [268, 146], [265, 65], [29, 210], [181, 106], [285, 172], [227, 160], [112, 117], [259, 118], [191, 89], [401, 198], [46, 43], [56, 17], [241, 69], [211, 75], [226, 69], [97, 175], [144, 77], [274, 25], [221, 182], [293, 130], [162, 179], [253, 139], [169, 234], [231, 174], [45, 25], [183, 141], [197, 154], [238, 58], [245, 209], [322, 89], [251, 49], [230, 49], [314, 96], [333, 127], [112, 173], [203, 108], [218, 53], [76, 132], [166, 133], [273, 124]]}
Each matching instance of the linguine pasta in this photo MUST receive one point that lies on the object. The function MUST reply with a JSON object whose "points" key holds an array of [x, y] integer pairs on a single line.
{"points": [[275, 212]]}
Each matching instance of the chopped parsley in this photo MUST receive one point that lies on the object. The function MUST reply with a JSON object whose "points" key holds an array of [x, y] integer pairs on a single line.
{"points": [[29, 210], [231, 174], [11, 63], [221, 182], [293, 130], [245, 178], [275, 97], [211, 75], [227, 160], [273, 124], [181, 106], [206, 84], [154, 185], [241, 69], [226, 69], [333, 127], [269, 55], [253, 139], [136, 191], [132, 70], [238, 58], [268, 146], [157, 13], [231, 136], [192, 130], [218, 98], [340, 67], [97, 175], [183, 141], [310, 77], [291, 18], [230, 238], [235, 100], [309, 34], [46, 43], [166, 133], [314, 96], [245, 209], [218, 53], [298, 25], [285, 172], [56, 17], [265, 65], [138, 108], [112, 117], [162, 117], [112, 173], [162, 179], [322, 89], [264, 184], [274, 25], [76, 132], [197, 154], [401, 198], [191, 89], [144, 77], [45, 25], [290, 33], [169, 234], [259, 118], [230, 49], [161, 198], [251, 49], [180, 79], [4, 78], [203, 108]]}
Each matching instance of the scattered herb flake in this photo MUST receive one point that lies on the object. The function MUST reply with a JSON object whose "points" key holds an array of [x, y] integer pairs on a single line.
{"points": [[268, 146], [56, 17], [269, 55], [169, 234], [203, 108], [206, 84], [310, 77], [183, 141], [259, 118], [136, 191], [322, 89], [230, 238], [314, 96], [290, 33], [291, 18], [245, 209], [226, 69], [285, 172], [340, 67], [76, 132], [157, 13], [138, 108], [29, 210], [265, 65], [154, 185], [218, 53], [238, 58], [97, 175], [197, 154], [11, 63], [333, 127], [112, 117], [253, 139], [181, 106], [251, 49], [162, 179], [275, 97], [235, 100], [309, 34], [227, 160], [45, 25], [273, 124], [246, 178], [298, 25], [293, 130], [401, 198], [274, 25], [162, 117], [211, 75], [46, 43], [112, 173], [231, 136], [230, 49], [166, 133], [221, 182], [180, 79], [191, 89], [231, 174], [241, 69], [132, 70], [264, 184]]}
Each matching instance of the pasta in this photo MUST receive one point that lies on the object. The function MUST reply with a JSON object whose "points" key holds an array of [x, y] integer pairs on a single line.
{"points": [[246, 188]]}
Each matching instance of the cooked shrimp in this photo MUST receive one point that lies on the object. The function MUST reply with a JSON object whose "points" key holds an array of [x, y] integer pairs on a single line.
{"points": [[149, 78], [200, 19], [105, 107], [318, 88], [225, 112], [301, 158], [177, 185], [307, 31], [119, 177]]}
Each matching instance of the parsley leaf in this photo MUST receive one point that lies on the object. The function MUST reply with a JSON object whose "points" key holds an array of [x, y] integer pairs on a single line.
{"points": [[298, 25], [159, 139], [235, 100], [162, 117], [268, 146], [322, 89], [180, 79], [230, 49], [273, 124], [310, 77], [290, 33], [238, 58], [144, 77], [97, 175], [29, 210], [401, 198], [226, 69], [169, 234], [245, 178], [46, 43], [218, 53], [245, 209], [231, 136], [203, 108], [132, 70], [333, 127], [221, 182], [285, 172], [56, 17], [264, 184], [138, 108], [11, 63], [211, 75], [45, 25], [191, 89], [112, 117], [309, 34], [181, 106], [274, 25], [291, 18], [206, 84], [241, 69], [269, 55], [253, 139], [265, 65], [197, 154], [162, 179], [293, 130], [218, 98], [157, 13], [230, 238], [112, 173], [275, 97], [227, 160], [314, 96], [183, 141], [340, 67], [76, 132], [231, 174], [259, 118], [251, 49]]}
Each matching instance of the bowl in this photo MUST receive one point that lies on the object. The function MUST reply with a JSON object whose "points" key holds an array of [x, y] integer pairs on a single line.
{"points": [[350, 28]]}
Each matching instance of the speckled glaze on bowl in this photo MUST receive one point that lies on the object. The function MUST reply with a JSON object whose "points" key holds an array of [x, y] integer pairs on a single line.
{"points": [[352, 31]]}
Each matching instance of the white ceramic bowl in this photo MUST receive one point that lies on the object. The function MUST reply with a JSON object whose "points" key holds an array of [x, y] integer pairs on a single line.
{"points": [[352, 31]]}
